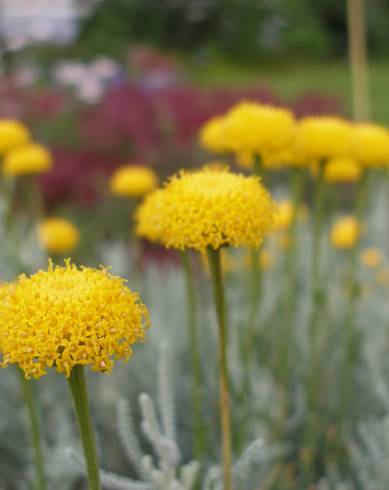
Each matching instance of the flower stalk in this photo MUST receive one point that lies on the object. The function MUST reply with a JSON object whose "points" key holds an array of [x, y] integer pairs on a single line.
{"points": [[79, 393], [36, 437], [219, 300], [198, 441]]}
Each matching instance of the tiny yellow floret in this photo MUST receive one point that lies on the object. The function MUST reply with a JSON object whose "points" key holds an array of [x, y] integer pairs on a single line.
{"points": [[345, 232], [58, 235], [342, 171], [68, 316], [26, 160], [133, 181], [12, 135], [208, 208]]}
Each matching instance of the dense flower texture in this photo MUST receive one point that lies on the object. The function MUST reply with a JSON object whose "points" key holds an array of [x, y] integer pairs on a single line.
{"points": [[345, 232], [323, 137], [208, 208], [12, 135], [250, 129], [133, 181], [371, 146], [342, 170], [67, 316], [58, 235], [28, 159]]}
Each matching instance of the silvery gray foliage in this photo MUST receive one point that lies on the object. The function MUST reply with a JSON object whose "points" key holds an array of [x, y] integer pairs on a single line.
{"points": [[164, 470]]}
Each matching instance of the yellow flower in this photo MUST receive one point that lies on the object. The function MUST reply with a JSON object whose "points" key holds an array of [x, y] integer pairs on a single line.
{"points": [[211, 135], [322, 137], [28, 159], [255, 129], [133, 181], [147, 216], [12, 135], [371, 146], [67, 316], [342, 170], [371, 257], [285, 214], [345, 232], [58, 235], [208, 208]]}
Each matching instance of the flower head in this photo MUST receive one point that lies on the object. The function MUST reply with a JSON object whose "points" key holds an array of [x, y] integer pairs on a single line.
{"points": [[58, 235], [345, 232], [285, 214], [248, 130], [256, 129], [12, 135], [28, 159], [371, 146], [211, 135], [322, 137], [133, 181], [342, 170], [208, 208], [67, 316]]}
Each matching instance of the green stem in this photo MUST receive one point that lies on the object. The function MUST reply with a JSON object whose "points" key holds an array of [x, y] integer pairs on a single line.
{"points": [[79, 393], [317, 306], [255, 281], [297, 185], [195, 353], [36, 438], [218, 292]]}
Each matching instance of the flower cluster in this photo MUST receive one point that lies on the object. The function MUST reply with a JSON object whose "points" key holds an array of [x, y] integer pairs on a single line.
{"points": [[252, 131], [67, 316], [207, 208]]}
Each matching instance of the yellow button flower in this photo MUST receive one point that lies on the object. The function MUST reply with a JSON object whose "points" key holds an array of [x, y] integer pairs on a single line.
{"points": [[12, 135], [345, 232], [322, 137], [28, 159], [133, 181], [211, 135], [371, 146], [257, 129], [342, 170], [285, 214], [67, 316], [371, 257], [58, 235], [208, 208]]}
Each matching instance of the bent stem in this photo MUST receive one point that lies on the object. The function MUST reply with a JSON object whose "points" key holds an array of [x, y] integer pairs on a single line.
{"points": [[36, 438], [218, 292], [198, 441], [79, 393]]}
